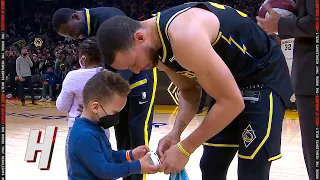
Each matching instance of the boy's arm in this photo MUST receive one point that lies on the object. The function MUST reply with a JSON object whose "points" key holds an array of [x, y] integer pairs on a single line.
{"points": [[55, 78], [89, 151], [47, 78], [120, 156]]}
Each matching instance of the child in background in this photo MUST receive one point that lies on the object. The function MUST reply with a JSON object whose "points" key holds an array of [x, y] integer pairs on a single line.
{"points": [[89, 151], [50, 84]]}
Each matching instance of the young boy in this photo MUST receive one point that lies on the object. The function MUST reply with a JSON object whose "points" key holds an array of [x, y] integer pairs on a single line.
{"points": [[90, 154], [49, 83]]}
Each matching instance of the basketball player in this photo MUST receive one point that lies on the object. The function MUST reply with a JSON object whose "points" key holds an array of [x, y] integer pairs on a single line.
{"points": [[303, 70], [237, 64], [135, 125]]}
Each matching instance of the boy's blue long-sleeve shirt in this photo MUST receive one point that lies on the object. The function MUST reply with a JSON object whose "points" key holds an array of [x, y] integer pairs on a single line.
{"points": [[90, 155], [52, 78]]}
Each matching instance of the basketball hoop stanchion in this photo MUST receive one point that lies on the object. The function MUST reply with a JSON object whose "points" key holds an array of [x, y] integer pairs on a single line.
{"points": [[317, 90], [3, 95]]}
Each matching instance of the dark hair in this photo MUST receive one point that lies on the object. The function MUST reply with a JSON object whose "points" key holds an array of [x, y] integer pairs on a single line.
{"points": [[61, 16], [103, 86], [90, 47], [116, 34]]}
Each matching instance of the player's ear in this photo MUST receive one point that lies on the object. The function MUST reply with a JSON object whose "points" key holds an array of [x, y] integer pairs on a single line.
{"points": [[75, 16], [139, 37]]}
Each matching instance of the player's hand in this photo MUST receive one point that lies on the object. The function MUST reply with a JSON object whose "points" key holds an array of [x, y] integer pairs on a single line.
{"points": [[45, 83], [147, 168], [166, 142], [173, 161], [269, 24], [140, 152], [21, 79]]}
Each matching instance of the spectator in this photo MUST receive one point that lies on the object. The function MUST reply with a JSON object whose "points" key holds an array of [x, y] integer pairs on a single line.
{"points": [[50, 84], [11, 75], [35, 67], [63, 73], [23, 66], [134, 13]]}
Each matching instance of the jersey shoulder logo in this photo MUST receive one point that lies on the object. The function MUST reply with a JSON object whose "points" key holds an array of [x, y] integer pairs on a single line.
{"points": [[173, 58]]}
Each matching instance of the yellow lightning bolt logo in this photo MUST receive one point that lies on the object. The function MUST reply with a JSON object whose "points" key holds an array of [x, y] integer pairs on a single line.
{"points": [[231, 40]]}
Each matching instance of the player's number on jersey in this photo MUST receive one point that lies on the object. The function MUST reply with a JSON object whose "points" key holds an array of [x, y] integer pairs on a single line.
{"points": [[220, 6], [287, 47]]}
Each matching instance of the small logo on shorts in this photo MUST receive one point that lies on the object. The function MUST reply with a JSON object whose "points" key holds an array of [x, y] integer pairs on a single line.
{"points": [[144, 95], [248, 136]]}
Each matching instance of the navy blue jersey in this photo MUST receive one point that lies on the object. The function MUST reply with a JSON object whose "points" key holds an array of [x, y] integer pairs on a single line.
{"points": [[250, 54], [96, 16]]}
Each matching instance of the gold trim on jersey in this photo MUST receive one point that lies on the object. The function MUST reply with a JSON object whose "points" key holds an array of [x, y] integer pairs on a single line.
{"points": [[231, 41], [221, 145], [217, 39], [171, 19], [88, 21], [164, 48]]}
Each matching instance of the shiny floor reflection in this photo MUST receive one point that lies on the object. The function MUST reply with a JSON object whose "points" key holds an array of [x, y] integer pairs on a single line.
{"points": [[20, 120]]}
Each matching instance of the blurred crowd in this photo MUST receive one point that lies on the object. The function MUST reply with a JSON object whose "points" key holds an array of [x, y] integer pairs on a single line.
{"points": [[53, 55]]}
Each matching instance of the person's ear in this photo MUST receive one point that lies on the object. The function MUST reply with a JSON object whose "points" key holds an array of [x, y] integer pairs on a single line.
{"points": [[75, 16], [139, 37], [95, 107], [83, 60]]}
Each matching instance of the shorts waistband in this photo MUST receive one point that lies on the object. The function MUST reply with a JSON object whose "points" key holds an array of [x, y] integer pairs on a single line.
{"points": [[254, 86]]}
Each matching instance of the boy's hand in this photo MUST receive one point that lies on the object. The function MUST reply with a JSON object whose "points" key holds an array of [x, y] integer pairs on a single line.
{"points": [[140, 151], [45, 83], [147, 168]]}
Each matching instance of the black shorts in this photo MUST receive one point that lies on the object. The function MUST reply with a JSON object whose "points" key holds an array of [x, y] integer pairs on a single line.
{"points": [[258, 127]]}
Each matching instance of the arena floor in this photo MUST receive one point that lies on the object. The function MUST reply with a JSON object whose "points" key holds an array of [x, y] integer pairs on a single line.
{"points": [[20, 120]]}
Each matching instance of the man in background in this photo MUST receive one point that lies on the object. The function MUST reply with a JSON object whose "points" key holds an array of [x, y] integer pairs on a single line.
{"points": [[302, 28], [11, 75], [23, 68]]}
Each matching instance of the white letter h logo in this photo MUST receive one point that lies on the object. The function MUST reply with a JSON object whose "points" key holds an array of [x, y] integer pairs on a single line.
{"points": [[46, 148]]}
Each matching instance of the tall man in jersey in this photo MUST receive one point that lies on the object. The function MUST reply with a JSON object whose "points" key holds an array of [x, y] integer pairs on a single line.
{"points": [[134, 128], [302, 28], [237, 64]]}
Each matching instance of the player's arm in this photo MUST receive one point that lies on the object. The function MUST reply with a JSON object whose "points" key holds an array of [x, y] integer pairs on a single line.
{"points": [[189, 99], [299, 26], [193, 50]]}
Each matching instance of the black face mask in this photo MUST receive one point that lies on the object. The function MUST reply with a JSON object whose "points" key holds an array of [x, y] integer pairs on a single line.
{"points": [[108, 121]]}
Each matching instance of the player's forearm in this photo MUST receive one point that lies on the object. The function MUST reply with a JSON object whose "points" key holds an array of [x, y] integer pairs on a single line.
{"points": [[220, 115], [188, 106]]}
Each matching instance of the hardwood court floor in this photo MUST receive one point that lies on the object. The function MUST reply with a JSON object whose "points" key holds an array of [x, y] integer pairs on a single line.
{"points": [[20, 120]]}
